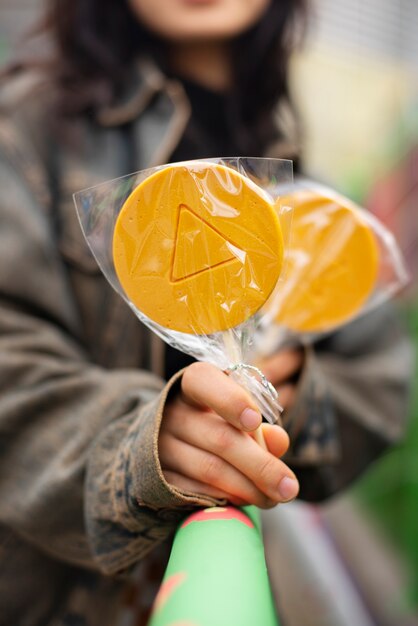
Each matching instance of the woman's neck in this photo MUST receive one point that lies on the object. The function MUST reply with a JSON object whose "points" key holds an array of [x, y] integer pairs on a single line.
{"points": [[205, 63]]}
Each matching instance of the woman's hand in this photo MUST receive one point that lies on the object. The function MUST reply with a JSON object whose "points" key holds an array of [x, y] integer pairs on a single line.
{"points": [[282, 370], [206, 446]]}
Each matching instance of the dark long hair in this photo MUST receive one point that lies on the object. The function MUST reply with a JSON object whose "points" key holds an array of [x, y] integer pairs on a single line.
{"points": [[96, 41]]}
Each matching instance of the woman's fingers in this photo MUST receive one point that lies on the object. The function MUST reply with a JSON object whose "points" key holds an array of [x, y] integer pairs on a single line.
{"points": [[202, 442], [203, 385], [260, 467], [206, 468]]}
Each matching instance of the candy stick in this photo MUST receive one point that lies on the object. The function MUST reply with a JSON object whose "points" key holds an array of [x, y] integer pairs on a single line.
{"points": [[233, 350]]}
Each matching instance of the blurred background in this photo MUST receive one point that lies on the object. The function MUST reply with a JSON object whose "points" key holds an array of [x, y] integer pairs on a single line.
{"points": [[356, 84], [354, 560]]}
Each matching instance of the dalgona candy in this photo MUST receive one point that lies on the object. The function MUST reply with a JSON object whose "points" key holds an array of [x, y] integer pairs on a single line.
{"points": [[332, 267], [197, 247]]}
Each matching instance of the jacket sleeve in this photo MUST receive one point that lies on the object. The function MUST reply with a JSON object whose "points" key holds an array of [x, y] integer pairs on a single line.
{"points": [[352, 402], [79, 470]]}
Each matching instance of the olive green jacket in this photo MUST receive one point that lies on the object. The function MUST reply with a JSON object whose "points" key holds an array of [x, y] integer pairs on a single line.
{"points": [[82, 495]]}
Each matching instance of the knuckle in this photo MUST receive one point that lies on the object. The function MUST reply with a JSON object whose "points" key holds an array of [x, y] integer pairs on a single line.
{"points": [[188, 376], [211, 469], [222, 439], [194, 376], [267, 469], [197, 370]]}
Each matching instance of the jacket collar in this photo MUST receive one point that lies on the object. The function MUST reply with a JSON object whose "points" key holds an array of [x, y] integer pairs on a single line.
{"points": [[147, 80]]}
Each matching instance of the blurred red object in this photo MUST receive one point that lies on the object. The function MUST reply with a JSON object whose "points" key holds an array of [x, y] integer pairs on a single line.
{"points": [[394, 200]]}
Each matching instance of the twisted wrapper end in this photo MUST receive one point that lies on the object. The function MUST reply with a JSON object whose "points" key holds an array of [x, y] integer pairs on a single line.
{"points": [[263, 392]]}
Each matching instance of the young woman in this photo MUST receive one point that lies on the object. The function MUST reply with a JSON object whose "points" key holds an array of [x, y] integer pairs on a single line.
{"points": [[100, 457]]}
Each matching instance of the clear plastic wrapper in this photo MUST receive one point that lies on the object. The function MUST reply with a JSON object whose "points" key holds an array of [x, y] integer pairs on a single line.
{"points": [[196, 249], [341, 263]]}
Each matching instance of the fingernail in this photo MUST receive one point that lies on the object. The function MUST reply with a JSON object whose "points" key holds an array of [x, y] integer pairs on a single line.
{"points": [[288, 488], [250, 419]]}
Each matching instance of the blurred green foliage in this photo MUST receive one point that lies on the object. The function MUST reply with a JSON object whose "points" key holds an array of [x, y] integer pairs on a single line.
{"points": [[389, 491]]}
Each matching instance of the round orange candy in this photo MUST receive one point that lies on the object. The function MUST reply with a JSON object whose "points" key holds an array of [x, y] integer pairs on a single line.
{"points": [[197, 247], [332, 264]]}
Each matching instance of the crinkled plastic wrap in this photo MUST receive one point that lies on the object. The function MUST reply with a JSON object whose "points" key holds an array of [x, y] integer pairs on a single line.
{"points": [[341, 263], [196, 249]]}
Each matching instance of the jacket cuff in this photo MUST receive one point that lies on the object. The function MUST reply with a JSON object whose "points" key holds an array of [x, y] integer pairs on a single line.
{"points": [[129, 506], [311, 422], [150, 487]]}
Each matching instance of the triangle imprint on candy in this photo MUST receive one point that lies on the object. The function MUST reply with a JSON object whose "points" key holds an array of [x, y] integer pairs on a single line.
{"points": [[198, 246]]}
